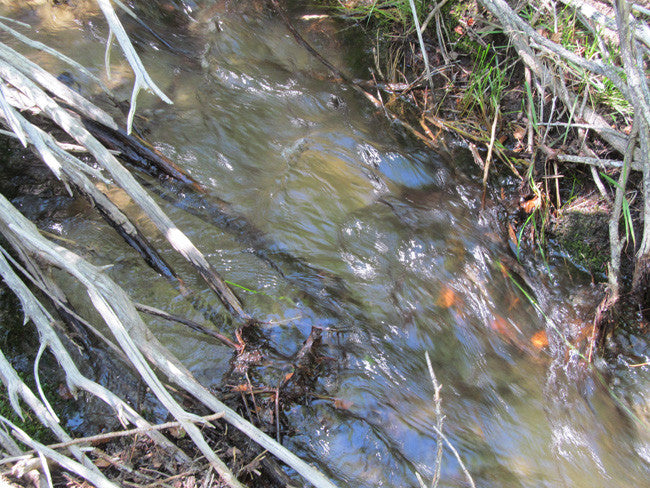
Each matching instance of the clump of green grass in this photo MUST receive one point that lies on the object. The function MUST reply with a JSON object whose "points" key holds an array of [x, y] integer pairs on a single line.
{"points": [[485, 88], [388, 14]]}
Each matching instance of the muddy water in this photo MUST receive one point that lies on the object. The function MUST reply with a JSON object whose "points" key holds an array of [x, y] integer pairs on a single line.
{"points": [[418, 261]]}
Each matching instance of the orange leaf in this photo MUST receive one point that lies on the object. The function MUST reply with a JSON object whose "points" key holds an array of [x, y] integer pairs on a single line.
{"points": [[514, 301], [513, 235], [539, 339], [447, 297], [532, 204], [459, 30], [288, 376], [503, 327], [242, 387], [499, 324], [342, 404]]}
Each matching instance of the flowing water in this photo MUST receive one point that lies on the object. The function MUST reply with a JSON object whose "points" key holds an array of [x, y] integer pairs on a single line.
{"points": [[416, 260]]}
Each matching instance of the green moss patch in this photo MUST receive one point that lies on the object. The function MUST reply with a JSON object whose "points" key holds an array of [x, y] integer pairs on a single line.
{"points": [[581, 229]]}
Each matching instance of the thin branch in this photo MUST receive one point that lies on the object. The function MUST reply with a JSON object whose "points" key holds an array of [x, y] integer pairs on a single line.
{"points": [[601, 163], [439, 419], [423, 49], [616, 242], [451, 447], [182, 320], [34, 310], [93, 476], [39, 75], [125, 179], [101, 438], [142, 78], [47, 49]]}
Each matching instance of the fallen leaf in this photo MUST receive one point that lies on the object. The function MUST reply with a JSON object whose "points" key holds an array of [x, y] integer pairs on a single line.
{"points": [[519, 132], [64, 392], [102, 463], [584, 330], [513, 235], [288, 376], [177, 432], [459, 30], [503, 327], [539, 339], [447, 297], [342, 404], [243, 387], [533, 204], [499, 324]]}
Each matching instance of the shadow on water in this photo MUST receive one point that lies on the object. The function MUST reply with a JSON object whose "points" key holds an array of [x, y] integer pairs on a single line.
{"points": [[336, 220]]}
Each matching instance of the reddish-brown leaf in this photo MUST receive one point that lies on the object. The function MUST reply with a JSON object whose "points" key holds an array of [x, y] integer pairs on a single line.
{"points": [[503, 327], [64, 392], [342, 404], [539, 339], [533, 204], [447, 298], [102, 463], [513, 235]]}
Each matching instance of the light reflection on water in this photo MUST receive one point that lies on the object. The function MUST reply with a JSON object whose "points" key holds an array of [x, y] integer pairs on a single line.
{"points": [[323, 174]]}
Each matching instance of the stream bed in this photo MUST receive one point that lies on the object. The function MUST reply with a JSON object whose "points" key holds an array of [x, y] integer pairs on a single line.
{"points": [[419, 264]]}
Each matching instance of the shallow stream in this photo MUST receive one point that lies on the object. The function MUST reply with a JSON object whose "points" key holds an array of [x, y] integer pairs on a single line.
{"points": [[418, 265]]}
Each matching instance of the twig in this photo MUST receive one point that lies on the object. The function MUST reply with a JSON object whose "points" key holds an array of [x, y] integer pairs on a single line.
{"points": [[423, 49], [439, 419], [599, 183], [37, 379], [94, 476], [602, 163], [55, 53], [182, 320], [458, 458], [616, 242], [638, 365], [142, 78], [250, 388], [100, 438], [433, 12], [488, 158]]}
